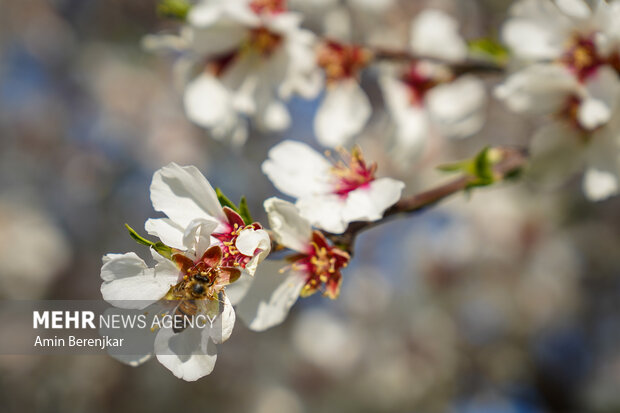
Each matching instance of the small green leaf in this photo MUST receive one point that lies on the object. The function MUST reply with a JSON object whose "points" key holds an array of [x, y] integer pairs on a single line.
{"points": [[484, 165], [176, 9], [244, 211], [224, 201], [489, 48], [158, 246], [480, 168], [454, 167]]}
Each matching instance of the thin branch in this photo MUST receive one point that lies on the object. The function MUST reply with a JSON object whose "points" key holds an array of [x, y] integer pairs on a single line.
{"points": [[511, 162], [459, 68]]}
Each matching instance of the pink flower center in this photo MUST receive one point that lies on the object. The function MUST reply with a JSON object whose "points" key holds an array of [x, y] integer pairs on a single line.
{"points": [[268, 6], [341, 61], [322, 265], [351, 172], [260, 41], [231, 256], [418, 84], [581, 57]]}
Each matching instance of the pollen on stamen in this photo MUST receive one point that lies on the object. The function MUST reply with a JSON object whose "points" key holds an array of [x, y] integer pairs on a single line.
{"points": [[340, 61], [582, 57], [351, 172]]}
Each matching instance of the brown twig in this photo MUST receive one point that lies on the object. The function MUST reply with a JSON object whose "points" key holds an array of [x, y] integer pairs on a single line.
{"points": [[511, 161], [468, 66]]}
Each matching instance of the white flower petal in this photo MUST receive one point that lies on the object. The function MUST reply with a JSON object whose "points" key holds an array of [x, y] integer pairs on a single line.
{"points": [[538, 89], [296, 169], [242, 78], [225, 322], [164, 267], [117, 266], [207, 101], [436, 34], [184, 194], [574, 8], [412, 126], [225, 36], [270, 297], [603, 162], [290, 229], [593, 113], [537, 30], [140, 341], [273, 116], [557, 153], [342, 114], [166, 230], [237, 290], [248, 242], [600, 98], [188, 355], [599, 185], [197, 236], [369, 204], [250, 239], [129, 283], [458, 107], [324, 212], [204, 13]]}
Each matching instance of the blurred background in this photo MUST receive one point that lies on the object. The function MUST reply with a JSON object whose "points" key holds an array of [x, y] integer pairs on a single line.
{"points": [[507, 300]]}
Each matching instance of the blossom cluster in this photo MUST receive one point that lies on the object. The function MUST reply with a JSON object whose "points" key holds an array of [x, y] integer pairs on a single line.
{"points": [[211, 253], [567, 54], [241, 61]]}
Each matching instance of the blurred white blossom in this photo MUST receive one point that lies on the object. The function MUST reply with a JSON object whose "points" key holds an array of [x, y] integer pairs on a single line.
{"points": [[425, 97], [345, 108], [251, 56], [33, 250], [570, 52]]}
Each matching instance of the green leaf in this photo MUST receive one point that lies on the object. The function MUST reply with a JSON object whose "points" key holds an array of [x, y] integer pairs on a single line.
{"points": [[484, 165], [244, 211], [158, 246], [455, 167], [225, 202], [176, 9], [489, 48], [480, 168]]}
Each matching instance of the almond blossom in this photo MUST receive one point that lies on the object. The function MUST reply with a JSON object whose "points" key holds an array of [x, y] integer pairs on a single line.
{"points": [[425, 96], [345, 108], [205, 239], [251, 56], [129, 283], [560, 150], [186, 197], [330, 195], [569, 50], [314, 267]]}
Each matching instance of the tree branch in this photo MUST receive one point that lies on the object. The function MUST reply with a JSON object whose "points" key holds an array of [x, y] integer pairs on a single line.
{"points": [[459, 68], [511, 161]]}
